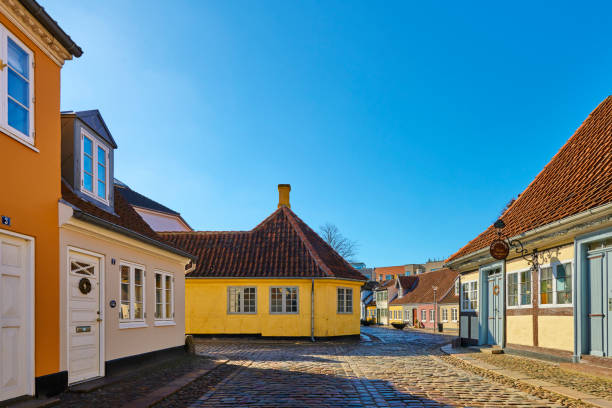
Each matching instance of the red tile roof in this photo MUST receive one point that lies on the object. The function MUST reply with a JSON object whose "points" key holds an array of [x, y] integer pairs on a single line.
{"points": [[444, 279], [407, 282], [281, 246], [578, 178], [389, 270]]}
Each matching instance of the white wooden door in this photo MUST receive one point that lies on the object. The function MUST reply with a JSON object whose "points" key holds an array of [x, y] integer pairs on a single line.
{"points": [[84, 317], [14, 326]]}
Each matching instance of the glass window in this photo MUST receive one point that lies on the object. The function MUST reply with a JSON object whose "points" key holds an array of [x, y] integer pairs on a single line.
{"points": [[423, 315], [444, 315], [283, 300], [18, 88], [546, 286], [345, 300], [94, 172], [525, 284], [564, 284], [513, 289], [164, 296], [242, 300], [454, 314], [132, 292], [432, 315], [469, 296]]}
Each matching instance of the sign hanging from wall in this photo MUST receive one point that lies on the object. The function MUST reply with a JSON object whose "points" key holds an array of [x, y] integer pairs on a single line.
{"points": [[499, 249]]}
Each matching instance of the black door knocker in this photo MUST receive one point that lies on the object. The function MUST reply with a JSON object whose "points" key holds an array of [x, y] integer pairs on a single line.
{"points": [[84, 286]]}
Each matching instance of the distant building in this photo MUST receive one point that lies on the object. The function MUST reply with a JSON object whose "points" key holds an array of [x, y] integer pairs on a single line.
{"points": [[361, 267]]}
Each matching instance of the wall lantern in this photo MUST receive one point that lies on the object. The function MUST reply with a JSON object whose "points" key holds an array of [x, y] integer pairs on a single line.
{"points": [[501, 246]]}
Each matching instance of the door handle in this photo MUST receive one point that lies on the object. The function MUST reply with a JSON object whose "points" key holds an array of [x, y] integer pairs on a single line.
{"points": [[98, 319]]}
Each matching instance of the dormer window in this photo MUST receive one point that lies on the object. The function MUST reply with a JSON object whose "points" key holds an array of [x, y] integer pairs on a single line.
{"points": [[94, 169], [17, 70]]}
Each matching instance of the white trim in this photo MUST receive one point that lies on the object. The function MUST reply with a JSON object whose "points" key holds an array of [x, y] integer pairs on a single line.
{"points": [[28, 140], [469, 301], [518, 300], [133, 266], [164, 323], [132, 325], [164, 275], [554, 265], [456, 310], [101, 283], [227, 294], [95, 144], [30, 315], [345, 297]]}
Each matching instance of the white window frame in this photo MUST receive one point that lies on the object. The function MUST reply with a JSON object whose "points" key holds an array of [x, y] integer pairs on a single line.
{"points": [[284, 300], [454, 314], [28, 140], [444, 317], [554, 265], [164, 320], [519, 306], [423, 315], [229, 288], [469, 284], [432, 315], [338, 311], [457, 287], [95, 144], [133, 322]]}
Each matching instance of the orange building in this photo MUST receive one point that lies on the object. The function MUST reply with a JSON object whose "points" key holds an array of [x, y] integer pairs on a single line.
{"points": [[33, 50]]}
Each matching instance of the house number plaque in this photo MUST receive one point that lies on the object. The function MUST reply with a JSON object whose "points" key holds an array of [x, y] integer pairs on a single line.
{"points": [[83, 329]]}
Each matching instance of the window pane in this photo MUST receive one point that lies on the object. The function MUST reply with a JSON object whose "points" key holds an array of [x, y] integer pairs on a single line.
{"points": [[291, 300], [340, 298], [513, 289], [101, 156], [232, 300], [88, 147], [158, 311], [138, 293], [168, 297], [276, 297], [87, 164], [138, 276], [138, 310], [525, 283], [18, 117], [88, 182], [349, 300], [101, 172], [101, 189], [546, 288], [17, 58], [564, 284], [18, 88], [250, 303]]}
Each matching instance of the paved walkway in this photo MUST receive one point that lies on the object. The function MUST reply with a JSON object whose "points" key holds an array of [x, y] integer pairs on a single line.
{"points": [[390, 369]]}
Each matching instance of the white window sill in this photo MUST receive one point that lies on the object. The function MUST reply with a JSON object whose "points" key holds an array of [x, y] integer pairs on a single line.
{"points": [[164, 323], [555, 305], [132, 325], [20, 139]]}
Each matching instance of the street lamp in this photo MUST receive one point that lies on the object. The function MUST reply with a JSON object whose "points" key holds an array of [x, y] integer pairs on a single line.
{"points": [[435, 288]]}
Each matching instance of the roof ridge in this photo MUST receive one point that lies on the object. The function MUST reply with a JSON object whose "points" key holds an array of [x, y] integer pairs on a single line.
{"points": [[291, 218], [267, 219]]}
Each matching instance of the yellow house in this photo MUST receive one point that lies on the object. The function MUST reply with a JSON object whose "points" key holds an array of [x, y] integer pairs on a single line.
{"points": [[279, 279], [32, 52], [554, 303]]}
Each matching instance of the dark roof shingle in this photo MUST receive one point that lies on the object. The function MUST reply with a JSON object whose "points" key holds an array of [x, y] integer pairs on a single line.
{"points": [[422, 292], [578, 178], [280, 246]]}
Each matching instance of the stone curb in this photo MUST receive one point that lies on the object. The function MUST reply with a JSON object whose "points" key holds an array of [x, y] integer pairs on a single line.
{"points": [[172, 387], [526, 379]]}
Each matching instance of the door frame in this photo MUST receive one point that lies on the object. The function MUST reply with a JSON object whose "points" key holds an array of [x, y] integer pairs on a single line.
{"points": [[580, 290], [30, 307], [102, 282], [483, 302]]}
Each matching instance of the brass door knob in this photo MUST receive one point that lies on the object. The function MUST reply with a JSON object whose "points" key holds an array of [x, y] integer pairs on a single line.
{"points": [[98, 319]]}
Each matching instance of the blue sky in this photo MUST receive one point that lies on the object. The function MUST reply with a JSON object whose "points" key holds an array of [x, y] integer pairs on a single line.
{"points": [[409, 125]]}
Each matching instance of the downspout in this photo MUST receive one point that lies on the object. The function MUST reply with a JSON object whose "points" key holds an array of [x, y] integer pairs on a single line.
{"points": [[312, 312]]}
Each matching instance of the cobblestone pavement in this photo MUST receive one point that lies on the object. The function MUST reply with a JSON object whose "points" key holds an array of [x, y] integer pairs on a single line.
{"points": [[602, 387], [393, 369]]}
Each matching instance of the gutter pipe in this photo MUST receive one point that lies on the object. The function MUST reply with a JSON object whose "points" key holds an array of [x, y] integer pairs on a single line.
{"points": [[312, 302]]}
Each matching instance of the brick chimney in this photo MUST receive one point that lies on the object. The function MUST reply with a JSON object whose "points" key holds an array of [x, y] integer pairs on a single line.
{"points": [[283, 195]]}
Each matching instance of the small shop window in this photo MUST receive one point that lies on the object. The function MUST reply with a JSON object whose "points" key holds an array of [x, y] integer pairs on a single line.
{"points": [[556, 284]]}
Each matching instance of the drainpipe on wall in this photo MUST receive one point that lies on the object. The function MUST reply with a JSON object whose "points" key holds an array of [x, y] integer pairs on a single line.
{"points": [[312, 312]]}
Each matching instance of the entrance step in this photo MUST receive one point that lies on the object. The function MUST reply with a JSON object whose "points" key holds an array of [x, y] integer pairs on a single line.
{"points": [[33, 403], [488, 349]]}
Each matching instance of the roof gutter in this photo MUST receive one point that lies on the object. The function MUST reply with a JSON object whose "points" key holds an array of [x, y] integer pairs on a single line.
{"points": [[39, 13], [78, 214], [572, 219]]}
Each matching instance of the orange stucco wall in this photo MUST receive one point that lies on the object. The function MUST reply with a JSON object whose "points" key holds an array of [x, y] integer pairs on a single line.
{"points": [[29, 194]]}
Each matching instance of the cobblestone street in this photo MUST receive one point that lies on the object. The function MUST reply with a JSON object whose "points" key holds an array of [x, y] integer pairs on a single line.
{"points": [[387, 368]]}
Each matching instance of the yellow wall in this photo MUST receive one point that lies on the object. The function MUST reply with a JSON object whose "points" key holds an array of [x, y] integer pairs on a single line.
{"points": [[30, 192], [566, 253], [392, 310], [371, 313], [556, 332], [519, 330], [449, 324], [206, 308], [468, 277]]}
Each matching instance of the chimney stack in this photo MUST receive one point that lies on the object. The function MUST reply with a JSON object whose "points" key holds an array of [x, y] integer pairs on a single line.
{"points": [[283, 195]]}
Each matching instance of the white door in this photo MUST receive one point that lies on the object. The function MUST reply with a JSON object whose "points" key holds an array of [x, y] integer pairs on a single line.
{"points": [[83, 317], [15, 331]]}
